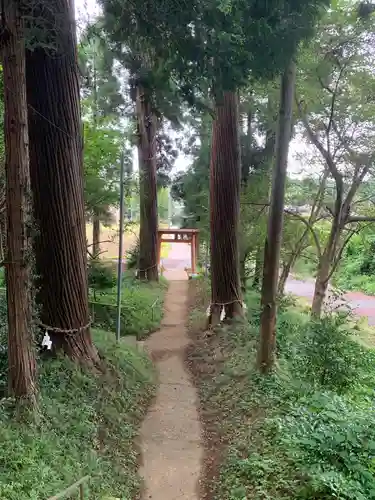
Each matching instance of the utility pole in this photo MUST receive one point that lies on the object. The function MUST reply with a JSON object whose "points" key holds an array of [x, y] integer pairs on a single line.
{"points": [[120, 249]]}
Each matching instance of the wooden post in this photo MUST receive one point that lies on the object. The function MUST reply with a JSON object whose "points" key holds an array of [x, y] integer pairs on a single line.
{"points": [[196, 238], [159, 247], [193, 256]]}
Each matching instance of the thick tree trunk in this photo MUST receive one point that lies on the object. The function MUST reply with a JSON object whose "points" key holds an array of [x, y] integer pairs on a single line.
{"points": [[325, 263], [148, 231], [96, 235], [275, 224], [56, 166], [225, 185], [324, 271], [21, 374], [320, 290]]}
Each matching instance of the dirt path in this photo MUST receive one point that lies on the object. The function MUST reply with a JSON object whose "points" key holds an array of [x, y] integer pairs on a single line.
{"points": [[171, 434]]}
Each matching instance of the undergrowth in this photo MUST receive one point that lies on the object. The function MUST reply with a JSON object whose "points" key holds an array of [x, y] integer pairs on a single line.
{"points": [[86, 422], [307, 431], [86, 425], [357, 266], [141, 310]]}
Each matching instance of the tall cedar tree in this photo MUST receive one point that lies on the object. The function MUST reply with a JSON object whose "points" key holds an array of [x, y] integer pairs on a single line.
{"points": [[148, 231], [56, 169], [225, 185], [21, 356], [275, 223]]}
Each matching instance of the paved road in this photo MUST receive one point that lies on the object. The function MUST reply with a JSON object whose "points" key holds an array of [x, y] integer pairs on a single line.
{"points": [[360, 303]]}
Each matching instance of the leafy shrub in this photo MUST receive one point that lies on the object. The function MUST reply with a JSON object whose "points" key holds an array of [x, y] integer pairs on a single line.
{"points": [[304, 432], [332, 443], [132, 256], [327, 355], [101, 276], [287, 301], [290, 326], [356, 270]]}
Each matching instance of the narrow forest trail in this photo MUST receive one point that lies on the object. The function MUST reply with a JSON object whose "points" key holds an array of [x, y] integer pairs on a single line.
{"points": [[171, 435]]}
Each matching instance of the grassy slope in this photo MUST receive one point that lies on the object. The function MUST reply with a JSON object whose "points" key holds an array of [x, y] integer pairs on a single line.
{"points": [[142, 307], [87, 422], [285, 436], [87, 425]]}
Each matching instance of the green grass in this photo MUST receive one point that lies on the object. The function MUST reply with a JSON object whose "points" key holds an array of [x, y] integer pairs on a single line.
{"points": [[142, 307], [353, 280], [304, 432], [87, 424]]}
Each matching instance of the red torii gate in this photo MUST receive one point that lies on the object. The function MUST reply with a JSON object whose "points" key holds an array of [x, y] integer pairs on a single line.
{"points": [[190, 236]]}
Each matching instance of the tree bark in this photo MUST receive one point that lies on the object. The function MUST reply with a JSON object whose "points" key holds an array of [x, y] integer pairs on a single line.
{"points": [[285, 271], [267, 343], [96, 235], [22, 367], [324, 269], [225, 186], [148, 231], [320, 290], [56, 166]]}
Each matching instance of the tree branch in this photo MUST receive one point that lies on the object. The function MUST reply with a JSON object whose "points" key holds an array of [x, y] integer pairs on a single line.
{"points": [[310, 228], [359, 218], [357, 181], [325, 154], [333, 92], [100, 242]]}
